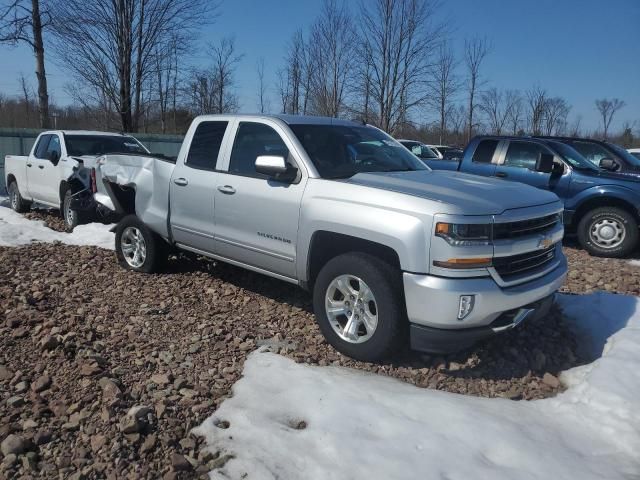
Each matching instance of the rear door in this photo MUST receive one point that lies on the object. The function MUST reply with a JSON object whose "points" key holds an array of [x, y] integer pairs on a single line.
{"points": [[257, 216], [193, 186]]}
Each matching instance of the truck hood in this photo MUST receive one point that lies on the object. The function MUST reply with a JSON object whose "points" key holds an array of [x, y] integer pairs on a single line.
{"points": [[472, 194]]}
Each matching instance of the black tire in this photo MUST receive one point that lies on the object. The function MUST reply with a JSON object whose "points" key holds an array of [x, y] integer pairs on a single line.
{"points": [[156, 249], [71, 217], [19, 204], [385, 282], [622, 219]]}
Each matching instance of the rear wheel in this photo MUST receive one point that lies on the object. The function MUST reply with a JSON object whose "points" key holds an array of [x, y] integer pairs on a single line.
{"points": [[358, 305], [608, 232], [18, 203], [138, 248]]}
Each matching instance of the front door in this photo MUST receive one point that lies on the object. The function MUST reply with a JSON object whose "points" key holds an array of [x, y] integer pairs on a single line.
{"points": [[519, 165], [37, 168], [193, 187], [256, 216]]}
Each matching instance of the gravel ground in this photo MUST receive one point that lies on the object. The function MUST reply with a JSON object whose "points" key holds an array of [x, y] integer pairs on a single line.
{"points": [[103, 372]]}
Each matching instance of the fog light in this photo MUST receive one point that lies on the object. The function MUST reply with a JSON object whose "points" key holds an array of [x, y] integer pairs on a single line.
{"points": [[466, 306]]}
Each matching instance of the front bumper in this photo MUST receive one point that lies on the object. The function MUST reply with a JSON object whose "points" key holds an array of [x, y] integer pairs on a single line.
{"points": [[432, 307]]}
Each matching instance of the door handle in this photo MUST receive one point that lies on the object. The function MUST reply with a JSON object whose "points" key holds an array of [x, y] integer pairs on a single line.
{"points": [[181, 181], [40, 167], [501, 175], [227, 189], [28, 164]]}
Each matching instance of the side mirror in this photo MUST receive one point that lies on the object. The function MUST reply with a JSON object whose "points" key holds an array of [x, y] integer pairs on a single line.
{"points": [[558, 168], [608, 164], [544, 164], [54, 157], [271, 165]]}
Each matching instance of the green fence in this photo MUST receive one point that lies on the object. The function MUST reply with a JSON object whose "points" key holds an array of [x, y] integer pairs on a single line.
{"points": [[18, 141]]}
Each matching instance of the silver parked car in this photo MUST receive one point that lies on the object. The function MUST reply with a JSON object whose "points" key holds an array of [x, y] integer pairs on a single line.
{"points": [[390, 249]]}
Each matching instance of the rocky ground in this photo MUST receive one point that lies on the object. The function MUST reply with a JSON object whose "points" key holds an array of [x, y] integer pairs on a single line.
{"points": [[104, 372]]}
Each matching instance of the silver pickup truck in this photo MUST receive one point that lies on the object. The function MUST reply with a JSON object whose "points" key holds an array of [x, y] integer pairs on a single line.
{"points": [[390, 249]]}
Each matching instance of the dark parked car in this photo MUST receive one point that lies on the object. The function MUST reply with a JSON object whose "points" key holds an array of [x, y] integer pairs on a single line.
{"points": [[603, 154], [601, 206]]}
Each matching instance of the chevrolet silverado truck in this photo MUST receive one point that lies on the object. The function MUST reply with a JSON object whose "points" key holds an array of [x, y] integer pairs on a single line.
{"points": [[52, 175], [601, 207], [390, 249]]}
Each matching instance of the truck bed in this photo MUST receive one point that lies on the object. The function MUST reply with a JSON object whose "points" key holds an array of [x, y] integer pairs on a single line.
{"points": [[148, 176]]}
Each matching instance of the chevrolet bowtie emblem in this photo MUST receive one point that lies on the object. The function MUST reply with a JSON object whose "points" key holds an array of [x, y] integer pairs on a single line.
{"points": [[545, 242]]}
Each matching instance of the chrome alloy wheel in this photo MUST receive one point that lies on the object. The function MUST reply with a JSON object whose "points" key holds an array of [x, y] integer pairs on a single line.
{"points": [[351, 309], [607, 233], [133, 246], [69, 213]]}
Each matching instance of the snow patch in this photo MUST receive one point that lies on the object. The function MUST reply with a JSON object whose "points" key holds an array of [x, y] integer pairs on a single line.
{"points": [[17, 230], [364, 426]]}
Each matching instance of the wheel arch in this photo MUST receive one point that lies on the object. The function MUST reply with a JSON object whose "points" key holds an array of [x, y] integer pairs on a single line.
{"points": [[600, 201], [326, 245]]}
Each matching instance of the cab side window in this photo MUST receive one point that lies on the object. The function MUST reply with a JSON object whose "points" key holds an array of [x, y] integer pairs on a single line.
{"points": [[41, 148], [253, 140], [205, 145], [523, 155], [484, 151], [54, 146]]}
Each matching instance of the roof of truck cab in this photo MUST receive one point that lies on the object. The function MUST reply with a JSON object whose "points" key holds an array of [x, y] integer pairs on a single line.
{"points": [[87, 132], [288, 119]]}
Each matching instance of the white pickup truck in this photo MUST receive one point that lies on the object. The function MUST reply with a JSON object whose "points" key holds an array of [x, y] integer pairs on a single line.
{"points": [[50, 175]]}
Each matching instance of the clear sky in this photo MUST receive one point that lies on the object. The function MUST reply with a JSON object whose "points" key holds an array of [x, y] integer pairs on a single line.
{"points": [[577, 49]]}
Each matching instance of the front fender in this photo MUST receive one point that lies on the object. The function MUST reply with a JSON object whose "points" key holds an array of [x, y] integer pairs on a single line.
{"points": [[604, 191], [404, 233]]}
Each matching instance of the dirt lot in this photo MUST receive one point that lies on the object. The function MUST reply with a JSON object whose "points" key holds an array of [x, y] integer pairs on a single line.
{"points": [[104, 372]]}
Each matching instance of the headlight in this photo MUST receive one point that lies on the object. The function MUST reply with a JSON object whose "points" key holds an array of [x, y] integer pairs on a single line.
{"points": [[464, 235]]}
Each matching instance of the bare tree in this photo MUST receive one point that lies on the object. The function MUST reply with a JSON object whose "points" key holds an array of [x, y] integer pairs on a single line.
{"points": [[556, 110], [608, 109], [536, 99], [494, 104], [475, 51], [225, 61], [26, 96], [331, 47], [262, 89], [444, 85], [574, 129], [21, 22], [514, 110], [166, 66], [397, 41], [110, 45]]}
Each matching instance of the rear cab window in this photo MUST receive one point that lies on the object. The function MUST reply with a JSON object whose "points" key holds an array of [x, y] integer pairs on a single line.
{"points": [[205, 145], [484, 151]]}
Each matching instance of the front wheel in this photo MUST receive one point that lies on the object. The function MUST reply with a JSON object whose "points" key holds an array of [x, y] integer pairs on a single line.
{"points": [[138, 248], [18, 203], [358, 304], [71, 217], [608, 232]]}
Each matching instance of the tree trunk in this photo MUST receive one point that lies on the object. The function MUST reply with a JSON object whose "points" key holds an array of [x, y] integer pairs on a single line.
{"points": [[38, 48]]}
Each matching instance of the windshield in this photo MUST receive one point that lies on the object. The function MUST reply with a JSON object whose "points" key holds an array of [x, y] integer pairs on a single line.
{"points": [[635, 154], [96, 145], [341, 151], [572, 157], [420, 150], [624, 154]]}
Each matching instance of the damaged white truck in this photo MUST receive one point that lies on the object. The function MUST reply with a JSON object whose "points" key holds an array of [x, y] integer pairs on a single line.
{"points": [[391, 250], [54, 173]]}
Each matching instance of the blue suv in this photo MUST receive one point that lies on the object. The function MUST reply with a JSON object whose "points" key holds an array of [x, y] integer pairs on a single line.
{"points": [[601, 206]]}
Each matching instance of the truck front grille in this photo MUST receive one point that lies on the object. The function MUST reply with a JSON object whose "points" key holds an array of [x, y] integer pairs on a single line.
{"points": [[524, 227], [507, 267]]}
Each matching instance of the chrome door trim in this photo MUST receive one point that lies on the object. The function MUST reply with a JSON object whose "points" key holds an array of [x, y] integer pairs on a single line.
{"points": [[194, 232]]}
